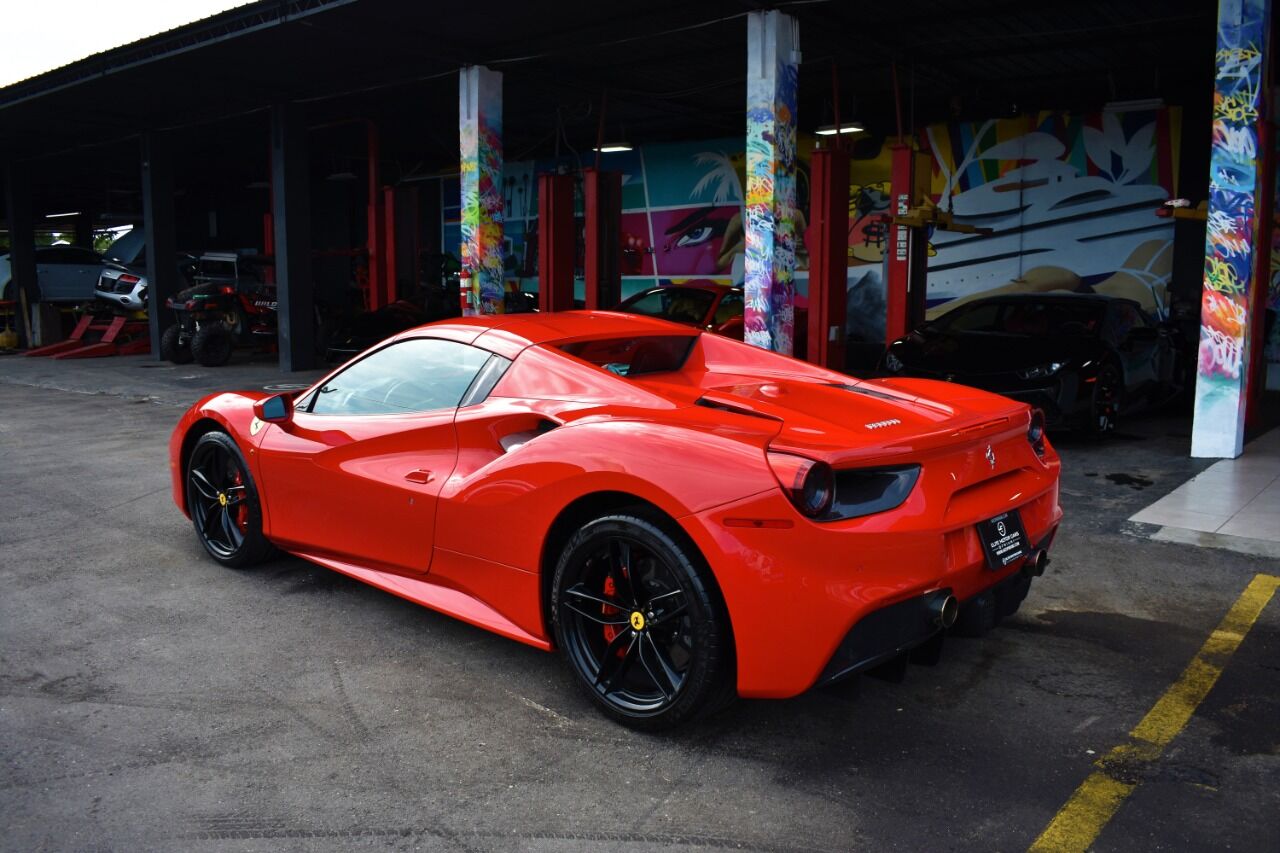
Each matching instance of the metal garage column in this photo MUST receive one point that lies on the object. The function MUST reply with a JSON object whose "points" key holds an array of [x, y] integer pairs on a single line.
{"points": [[773, 57], [291, 214], [828, 255], [555, 242], [22, 248], [158, 221], [480, 144], [1237, 244]]}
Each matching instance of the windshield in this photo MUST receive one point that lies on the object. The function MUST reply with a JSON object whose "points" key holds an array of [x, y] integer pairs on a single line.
{"points": [[1050, 317], [681, 304]]}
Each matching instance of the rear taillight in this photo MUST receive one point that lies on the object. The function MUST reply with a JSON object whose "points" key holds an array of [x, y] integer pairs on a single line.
{"points": [[809, 484], [227, 290], [1035, 432], [128, 279]]}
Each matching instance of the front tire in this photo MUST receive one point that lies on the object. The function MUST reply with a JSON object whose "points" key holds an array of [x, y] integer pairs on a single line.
{"points": [[641, 623], [212, 345], [223, 502]]}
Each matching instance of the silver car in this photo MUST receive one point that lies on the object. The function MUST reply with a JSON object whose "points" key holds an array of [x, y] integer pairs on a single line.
{"points": [[63, 274], [123, 281]]}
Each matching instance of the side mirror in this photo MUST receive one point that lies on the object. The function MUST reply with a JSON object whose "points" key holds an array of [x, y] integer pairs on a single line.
{"points": [[275, 410]]}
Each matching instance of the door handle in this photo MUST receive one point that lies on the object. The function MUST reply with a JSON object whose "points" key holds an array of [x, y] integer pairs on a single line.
{"points": [[422, 475]]}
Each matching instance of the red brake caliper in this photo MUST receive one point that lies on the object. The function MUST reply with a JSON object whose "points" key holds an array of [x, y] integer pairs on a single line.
{"points": [[610, 631], [242, 511]]}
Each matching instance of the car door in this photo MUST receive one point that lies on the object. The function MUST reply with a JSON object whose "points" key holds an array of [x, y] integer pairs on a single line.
{"points": [[54, 274], [357, 471]]}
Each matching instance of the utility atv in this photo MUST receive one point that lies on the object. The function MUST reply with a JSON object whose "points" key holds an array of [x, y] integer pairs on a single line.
{"points": [[230, 303]]}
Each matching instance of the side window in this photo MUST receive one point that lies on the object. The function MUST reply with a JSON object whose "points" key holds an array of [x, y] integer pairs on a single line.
{"points": [[53, 256], [1124, 317], [730, 308], [416, 375], [82, 256]]}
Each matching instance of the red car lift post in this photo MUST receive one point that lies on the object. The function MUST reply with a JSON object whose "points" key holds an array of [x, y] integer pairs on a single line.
{"points": [[555, 242], [602, 210], [375, 242], [828, 239], [390, 289], [907, 258]]}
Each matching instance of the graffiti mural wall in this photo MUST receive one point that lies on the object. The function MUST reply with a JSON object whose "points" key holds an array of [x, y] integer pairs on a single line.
{"points": [[1071, 200], [1230, 235]]}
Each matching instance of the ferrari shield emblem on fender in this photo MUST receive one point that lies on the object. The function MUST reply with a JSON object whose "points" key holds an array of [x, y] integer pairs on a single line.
{"points": [[991, 457], [255, 426]]}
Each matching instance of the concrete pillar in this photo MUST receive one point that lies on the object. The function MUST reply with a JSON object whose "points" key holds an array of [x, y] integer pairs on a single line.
{"points": [[163, 279], [480, 143], [555, 242], [291, 215], [22, 249], [773, 57], [1233, 249]]}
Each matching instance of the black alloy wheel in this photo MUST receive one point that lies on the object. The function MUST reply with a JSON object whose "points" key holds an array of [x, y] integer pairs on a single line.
{"points": [[1104, 405], [223, 502], [641, 624]]}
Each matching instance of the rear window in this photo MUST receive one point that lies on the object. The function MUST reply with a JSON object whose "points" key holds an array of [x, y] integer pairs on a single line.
{"points": [[634, 356]]}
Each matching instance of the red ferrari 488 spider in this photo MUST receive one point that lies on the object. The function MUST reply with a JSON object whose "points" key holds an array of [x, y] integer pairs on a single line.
{"points": [[685, 517]]}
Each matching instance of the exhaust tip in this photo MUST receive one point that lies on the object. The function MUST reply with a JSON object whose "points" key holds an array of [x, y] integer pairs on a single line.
{"points": [[945, 609], [1035, 563]]}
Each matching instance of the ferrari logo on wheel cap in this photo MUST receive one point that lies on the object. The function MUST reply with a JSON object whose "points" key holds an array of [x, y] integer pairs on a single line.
{"points": [[222, 498], [637, 621]]}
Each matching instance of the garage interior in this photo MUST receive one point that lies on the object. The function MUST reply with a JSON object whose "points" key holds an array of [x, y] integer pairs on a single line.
{"points": [[165, 709]]}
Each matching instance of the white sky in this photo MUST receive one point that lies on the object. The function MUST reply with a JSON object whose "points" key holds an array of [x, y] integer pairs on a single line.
{"points": [[39, 36]]}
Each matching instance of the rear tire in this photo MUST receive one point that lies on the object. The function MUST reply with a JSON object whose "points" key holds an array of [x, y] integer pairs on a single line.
{"points": [[212, 345], [641, 623], [173, 348]]}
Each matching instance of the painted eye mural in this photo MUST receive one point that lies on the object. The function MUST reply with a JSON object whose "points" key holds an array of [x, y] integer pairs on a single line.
{"points": [[690, 240]]}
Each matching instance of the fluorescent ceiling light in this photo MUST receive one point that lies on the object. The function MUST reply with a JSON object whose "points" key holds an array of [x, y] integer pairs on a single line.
{"points": [[61, 215], [613, 148], [830, 129], [1143, 105]]}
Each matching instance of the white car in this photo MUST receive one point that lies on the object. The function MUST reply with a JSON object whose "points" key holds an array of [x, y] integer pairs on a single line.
{"points": [[63, 274]]}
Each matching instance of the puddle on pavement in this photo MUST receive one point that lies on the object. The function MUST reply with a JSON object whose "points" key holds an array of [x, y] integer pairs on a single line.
{"points": [[1135, 481]]}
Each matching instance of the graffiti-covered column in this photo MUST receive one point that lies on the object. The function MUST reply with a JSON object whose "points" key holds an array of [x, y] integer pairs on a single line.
{"points": [[1232, 239], [480, 138], [773, 56]]}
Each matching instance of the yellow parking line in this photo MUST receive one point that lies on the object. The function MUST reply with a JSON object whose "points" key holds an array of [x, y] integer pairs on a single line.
{"points": [[1078, 823]]}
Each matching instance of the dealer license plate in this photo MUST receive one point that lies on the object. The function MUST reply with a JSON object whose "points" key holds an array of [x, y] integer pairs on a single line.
{"points": [[1003, 539]]}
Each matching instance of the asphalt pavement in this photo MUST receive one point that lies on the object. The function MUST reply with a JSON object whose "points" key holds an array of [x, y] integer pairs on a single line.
{"points": [[153, 700]]}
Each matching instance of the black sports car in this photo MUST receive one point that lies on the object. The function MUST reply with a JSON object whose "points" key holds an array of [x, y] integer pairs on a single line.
{"points": [[1084, 359]]}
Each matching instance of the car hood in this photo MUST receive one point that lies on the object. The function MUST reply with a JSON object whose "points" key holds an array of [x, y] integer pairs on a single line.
{"points": [[975, 354]]}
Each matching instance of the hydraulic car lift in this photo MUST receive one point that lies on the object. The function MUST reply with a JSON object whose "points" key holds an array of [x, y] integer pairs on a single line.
{"points": [[119, 336]]}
